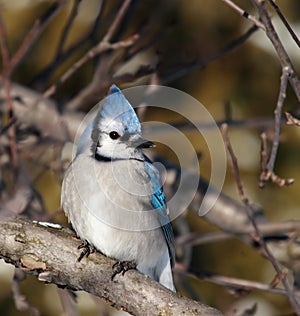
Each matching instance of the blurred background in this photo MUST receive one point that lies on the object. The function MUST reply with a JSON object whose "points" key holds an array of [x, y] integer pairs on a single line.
{"points": [[180, 44]]}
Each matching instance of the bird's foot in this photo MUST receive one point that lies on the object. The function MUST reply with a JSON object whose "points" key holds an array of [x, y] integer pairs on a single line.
{"points": [[122, 267], [87, 250]]}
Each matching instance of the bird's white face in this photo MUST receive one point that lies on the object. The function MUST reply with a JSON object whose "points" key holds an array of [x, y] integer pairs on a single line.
{"points": [[113, 141]]}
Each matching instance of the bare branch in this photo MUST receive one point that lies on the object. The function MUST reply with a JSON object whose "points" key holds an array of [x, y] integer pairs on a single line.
{"points": [[250, 213], [285, 22], [267, 172], [118, 19], [291, 120], [4, 47], [185, 69], [280, 50], [238, 284], [278, 113], [34, 33], [20, 300], [66, 30], [244, 14], [267, 229], [51, 255], [101, 47]]}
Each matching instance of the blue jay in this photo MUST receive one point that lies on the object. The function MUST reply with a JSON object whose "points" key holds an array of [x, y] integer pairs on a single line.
{"points": [[112, 193]]}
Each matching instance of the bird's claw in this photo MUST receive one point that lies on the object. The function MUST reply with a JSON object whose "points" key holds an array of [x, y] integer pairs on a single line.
{"points": [[122, 267], [87, 250]]}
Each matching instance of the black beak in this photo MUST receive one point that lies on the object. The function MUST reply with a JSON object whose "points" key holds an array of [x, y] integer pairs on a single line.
{"points": [[146, 144], [141, 142]]}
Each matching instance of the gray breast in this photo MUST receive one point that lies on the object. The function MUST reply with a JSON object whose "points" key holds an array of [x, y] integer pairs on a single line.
{"points": [[117, 193]]}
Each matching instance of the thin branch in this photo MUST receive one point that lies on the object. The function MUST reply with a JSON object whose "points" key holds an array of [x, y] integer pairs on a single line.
{"points": [[285, 22], [238, 284], [267, 229], [268, 167], [250, 213], [291, 120], [7, 88], [47, 72], [20, 300], [4, 47], [117, 21], [277, 44], [12, 129], [244, 14], [25, 45], [92, 53], [185, 69], [6, 127], [30, 38], [34, 34], [9, 64], [68, 302], [66, 29], [278, 113], [103, 46]]}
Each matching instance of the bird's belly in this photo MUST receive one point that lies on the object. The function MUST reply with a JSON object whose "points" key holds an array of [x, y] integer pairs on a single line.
{"points": [[118, 224]]}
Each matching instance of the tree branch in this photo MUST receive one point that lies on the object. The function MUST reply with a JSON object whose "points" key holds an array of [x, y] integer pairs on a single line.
{"points": [[278, 46], [51, 255]]}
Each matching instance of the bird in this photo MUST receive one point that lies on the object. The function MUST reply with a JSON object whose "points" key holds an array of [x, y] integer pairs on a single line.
{"points": [[112, 193]]}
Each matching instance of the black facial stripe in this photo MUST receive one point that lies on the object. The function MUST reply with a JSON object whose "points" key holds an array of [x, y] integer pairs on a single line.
{"points": [[102, 158]]}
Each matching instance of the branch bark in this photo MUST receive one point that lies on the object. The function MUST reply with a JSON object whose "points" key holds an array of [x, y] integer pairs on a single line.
{"points": [[283, 56], [51, 255]]}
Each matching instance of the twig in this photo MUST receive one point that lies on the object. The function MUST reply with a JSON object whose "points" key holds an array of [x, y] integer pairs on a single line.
{"points": [[33, 34], [285, 22], [20, 300], [6, 127], [47, 72], [92, 53], [68, 302], [277, 113], [263, 160], [6, 81], [244, 14], [25, 45], [184, 69], [291, 120], [30, 38], [196, 239], [118, 19], [265, 174], [280, 50], [237, 283], [268, 166], [267, 229], [250, 213], [12, 130], [4, 48], [102, 46], [66, 29], [9, 64]]}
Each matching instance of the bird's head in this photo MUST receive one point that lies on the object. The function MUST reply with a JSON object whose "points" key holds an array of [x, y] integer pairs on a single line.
{"points": [[116, 132]]}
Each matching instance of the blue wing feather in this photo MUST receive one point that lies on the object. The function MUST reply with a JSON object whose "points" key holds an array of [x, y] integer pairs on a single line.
{"points": [[159, 203]]}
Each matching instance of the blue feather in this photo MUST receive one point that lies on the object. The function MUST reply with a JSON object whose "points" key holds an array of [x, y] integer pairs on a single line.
{"points": [[116, 107], [160, 204]]}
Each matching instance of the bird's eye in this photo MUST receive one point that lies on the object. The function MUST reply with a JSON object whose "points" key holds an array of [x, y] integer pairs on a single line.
{"points": [[114, 135]]}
